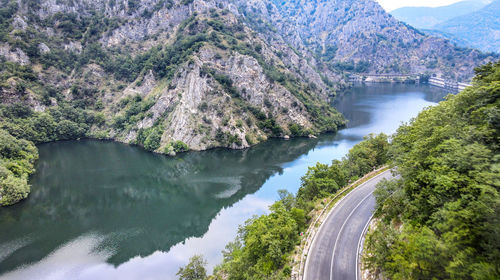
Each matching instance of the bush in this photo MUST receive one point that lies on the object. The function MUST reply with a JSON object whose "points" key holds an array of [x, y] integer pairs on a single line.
{"points": [[297, 130], [194, 270], [69, 130], [17, 158], [180, 147], [442, 214], [150, 138], [13, 189], [271, 126]]}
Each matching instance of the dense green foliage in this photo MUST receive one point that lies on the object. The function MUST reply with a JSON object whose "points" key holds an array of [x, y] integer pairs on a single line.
{"points": [[194, 270], [150, 138], [20, 129], [16, 163], [264, 243], [323, 179], [441, 219], [58, 123], [180, 147]]}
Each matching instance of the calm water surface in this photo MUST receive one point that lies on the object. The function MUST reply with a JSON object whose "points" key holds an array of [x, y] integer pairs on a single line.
{"points": [[103, 210]]}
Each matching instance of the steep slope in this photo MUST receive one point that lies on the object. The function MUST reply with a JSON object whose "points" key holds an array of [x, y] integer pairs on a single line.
{"points": [[167, 75], [135, 65], [174, 75], [480, 29], [427, 17], [359, 36]]}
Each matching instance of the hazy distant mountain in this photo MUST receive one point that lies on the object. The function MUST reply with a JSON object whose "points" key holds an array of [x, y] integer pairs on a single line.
{"points": [[479, 29], [225, 73], [172, 75], [427, 17]]}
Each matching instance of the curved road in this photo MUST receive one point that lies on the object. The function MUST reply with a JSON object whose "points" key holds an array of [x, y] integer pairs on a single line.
{"points": [[333, 253]]}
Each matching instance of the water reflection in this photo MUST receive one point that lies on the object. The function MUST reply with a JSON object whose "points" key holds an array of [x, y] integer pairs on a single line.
{"points": [[103, 210], [139, 201]]}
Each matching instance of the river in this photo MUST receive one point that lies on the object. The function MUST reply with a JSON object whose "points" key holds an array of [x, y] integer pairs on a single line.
{"points": [[104, 210]]}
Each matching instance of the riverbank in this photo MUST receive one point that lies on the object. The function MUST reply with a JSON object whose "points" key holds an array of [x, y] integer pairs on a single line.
{"points": [[18, 155], [267, 246], [186, 205]]}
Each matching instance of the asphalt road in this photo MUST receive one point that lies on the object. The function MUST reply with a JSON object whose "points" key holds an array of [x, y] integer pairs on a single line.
{"points": [[333, 254]]}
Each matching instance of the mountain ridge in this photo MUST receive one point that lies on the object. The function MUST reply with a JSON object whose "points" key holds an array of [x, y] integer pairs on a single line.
{"points": [[428, 17], [178, 75], [479, 29]]}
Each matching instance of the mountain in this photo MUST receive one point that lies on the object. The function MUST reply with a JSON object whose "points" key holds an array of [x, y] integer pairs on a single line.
{"points": [[428, 17], [359, 36], [479, 29], [174, 75], [157, 72]]}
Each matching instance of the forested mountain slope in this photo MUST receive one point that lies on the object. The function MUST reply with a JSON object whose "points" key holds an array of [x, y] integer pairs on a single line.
{"points": [[173, 75], [441, 219], [359, 36]]}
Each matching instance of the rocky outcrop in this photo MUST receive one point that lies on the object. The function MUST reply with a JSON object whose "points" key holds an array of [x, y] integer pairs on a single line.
{"points": [[14, 55], [359, 36], [171, 74]]}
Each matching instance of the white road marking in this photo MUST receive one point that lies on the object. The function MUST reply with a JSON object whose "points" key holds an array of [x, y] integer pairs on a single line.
{"points": [[359, 245], [342, 228], [328, 216]]}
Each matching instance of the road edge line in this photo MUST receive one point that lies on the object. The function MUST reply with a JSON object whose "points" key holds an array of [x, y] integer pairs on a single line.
{"points": [[342, 228], [360, 243], [303, 276]]}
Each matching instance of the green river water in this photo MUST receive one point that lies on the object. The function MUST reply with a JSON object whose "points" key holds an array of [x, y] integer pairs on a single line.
{"points": [[104, 210]]}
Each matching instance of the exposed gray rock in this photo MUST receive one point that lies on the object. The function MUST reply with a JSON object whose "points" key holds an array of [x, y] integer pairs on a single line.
{"points": [[16, 55], [261, 66], [19, 24], [73, 46], [43, 48]]}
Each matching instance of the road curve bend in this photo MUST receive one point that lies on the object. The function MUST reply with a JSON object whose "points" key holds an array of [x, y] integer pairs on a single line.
{"points": [[333, 253]]}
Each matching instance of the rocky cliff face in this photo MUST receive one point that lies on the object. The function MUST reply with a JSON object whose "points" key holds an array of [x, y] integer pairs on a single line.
{"points": [[163, 74], [204, 73], [174, 75], [359, 36]]}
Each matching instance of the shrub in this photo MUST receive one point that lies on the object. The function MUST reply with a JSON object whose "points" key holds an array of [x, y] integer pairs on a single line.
{"points": [[17, 158], [150, 138], [180, 147]]}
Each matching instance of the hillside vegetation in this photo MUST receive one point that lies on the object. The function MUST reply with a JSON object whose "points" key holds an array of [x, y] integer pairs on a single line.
{"points": [[428, 17], [441, 220], [177, 75], [16, 163], [264, 244]]}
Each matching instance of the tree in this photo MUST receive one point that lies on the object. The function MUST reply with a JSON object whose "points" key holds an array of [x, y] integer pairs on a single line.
{"points": [[194, 270], [180, 147], [17, 158], [441, 218]]}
